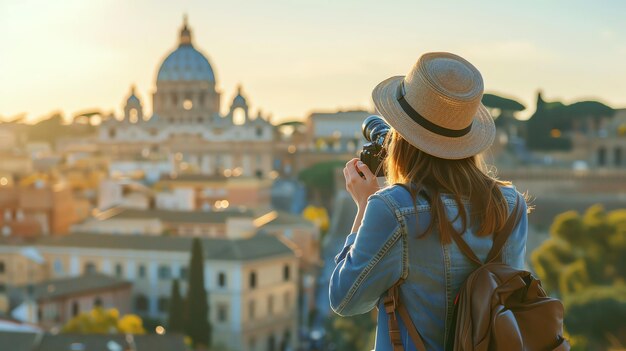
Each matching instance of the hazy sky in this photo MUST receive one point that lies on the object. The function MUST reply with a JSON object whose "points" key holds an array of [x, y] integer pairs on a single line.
{"points": [[293, 57]]}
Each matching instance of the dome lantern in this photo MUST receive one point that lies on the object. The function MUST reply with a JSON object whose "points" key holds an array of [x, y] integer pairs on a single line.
{"points": [[239, 108], [239, 100], [185, 33], [133, 111]]}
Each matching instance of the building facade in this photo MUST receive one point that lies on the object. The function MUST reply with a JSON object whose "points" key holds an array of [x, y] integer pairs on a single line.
{"points": [[252, 283]]}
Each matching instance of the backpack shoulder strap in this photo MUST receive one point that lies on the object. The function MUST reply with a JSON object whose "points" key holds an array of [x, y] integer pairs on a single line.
{"points": [[392, 304], [499, 238], [502, 235]]}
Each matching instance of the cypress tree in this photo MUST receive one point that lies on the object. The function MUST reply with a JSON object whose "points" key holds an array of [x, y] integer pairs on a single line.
{"points": [[176, 316], [197, 325]]}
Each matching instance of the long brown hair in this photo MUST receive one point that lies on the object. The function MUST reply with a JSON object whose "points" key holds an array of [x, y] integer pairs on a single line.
{"points": [[465, 178]]}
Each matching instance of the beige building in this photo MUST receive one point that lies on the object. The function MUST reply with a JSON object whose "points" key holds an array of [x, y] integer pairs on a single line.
{"points": [[20, 265], [52, 303], [306, 238], [606, 149], [304, 235], [252, 283]]}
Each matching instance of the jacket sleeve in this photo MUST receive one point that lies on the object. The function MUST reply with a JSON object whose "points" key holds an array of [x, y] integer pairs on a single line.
{"points": [[370, 262]]}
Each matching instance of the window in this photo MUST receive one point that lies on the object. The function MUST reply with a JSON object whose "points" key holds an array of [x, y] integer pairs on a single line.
{"points": [[90, 268], [133, 116], [141, 271], [251, 308], [252, 280], [286, 273], [601, 156], [75, 309], [141, 303], [239, 116], [2, 288], [222, 313], [259, 131], [1, 267], [617, 152], [184, 273], [221, 279], [286, 339], [270, 305], [97, 301], [165, 272], [58, 266], [118, 270], [164, 304]]}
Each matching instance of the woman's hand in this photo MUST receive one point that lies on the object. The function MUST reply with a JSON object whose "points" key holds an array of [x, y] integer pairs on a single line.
{"points": [[359, 187]]}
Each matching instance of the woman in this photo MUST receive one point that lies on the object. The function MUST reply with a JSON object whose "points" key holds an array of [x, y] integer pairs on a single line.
{"points": [[438, 129]]}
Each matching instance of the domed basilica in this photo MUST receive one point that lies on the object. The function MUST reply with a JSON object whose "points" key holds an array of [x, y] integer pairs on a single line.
{"points": [[186, 120]]}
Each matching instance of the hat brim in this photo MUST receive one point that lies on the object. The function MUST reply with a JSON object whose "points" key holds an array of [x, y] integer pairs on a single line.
{"points": [[479, 138]]}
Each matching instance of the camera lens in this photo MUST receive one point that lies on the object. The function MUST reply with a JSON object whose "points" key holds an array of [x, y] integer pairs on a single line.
{"points": [[374, 127]]}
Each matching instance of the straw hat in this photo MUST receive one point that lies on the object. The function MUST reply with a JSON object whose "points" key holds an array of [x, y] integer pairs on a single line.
{"points": [[436, 107]]}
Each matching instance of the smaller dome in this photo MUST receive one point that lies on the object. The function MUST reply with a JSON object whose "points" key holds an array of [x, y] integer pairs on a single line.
{"points": [[239, 100], [133, 99]]}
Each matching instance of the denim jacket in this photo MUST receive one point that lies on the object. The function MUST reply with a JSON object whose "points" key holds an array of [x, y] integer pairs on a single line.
{"points": [[386, 248]]}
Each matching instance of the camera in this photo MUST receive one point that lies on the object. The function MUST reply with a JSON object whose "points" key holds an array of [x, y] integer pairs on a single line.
{"points": [[375, 131]]}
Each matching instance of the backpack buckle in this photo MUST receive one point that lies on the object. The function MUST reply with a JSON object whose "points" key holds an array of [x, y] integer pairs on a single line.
{"points": [[390, 304]]}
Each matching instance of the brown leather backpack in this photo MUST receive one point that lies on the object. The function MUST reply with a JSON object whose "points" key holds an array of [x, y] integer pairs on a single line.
{"points": [[497, 308]]}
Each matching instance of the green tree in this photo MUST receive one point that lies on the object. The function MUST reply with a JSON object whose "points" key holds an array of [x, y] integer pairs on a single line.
{"points": [[504, 105], [320, 178], [598, 313], [197, 325], [562, 118], [583, 263], [176, 316]]}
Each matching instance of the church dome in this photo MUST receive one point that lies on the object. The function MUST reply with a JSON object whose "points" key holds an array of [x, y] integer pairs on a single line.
{"points": [[186, 63], [133, 99], [239, 100]]}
